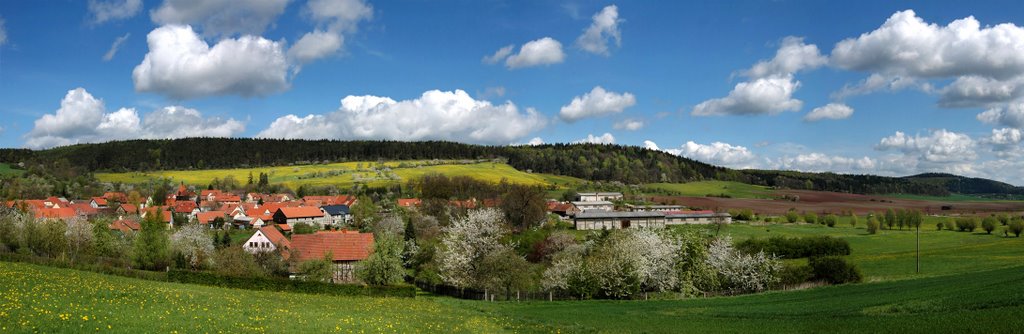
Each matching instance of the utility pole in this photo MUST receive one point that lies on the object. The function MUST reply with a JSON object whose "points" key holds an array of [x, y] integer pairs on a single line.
{"points": [[919, 246]]}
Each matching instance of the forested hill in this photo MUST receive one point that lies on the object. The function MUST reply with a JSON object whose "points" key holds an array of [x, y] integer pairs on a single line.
{"points": [[627, 164], [967, 185]]}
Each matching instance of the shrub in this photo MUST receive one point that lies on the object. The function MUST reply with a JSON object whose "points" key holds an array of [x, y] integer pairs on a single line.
{"points": [[792, 216], [834, 270], [939, 226], [988, 224], [853, 220], [966, 224], [811, 218], [794, 248], [831, 220], [1016, 226], [873, 225], [951, 224], [793, 274]]}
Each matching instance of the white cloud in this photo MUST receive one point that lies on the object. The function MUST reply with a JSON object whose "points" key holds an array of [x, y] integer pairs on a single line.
{"points": [[221, 18], [535, 141], [770, 90], [103, 11], [597, 102], [605, 26], [1005, 142], [334, 19], [544, 51], [3, 32], [907, 45], [829, 111], [116, 46], [606, 138], [881, 82], [82, 118], [717, 153], [181, 65], [499, 55], [792, 56], [820, 162], [436, 115], [629, 124], [770, 96], [941, 146], [1011, 115], [976, 91]]}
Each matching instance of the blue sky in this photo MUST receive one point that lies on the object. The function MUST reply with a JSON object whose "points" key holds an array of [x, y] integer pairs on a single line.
{"points": [[877, 87]]}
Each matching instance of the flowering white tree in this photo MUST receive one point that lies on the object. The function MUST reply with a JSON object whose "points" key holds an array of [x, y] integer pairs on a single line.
{"points": [[193, 242], [633, 261], [80, 236], [567, 271], [465, 243], [741, 272]]}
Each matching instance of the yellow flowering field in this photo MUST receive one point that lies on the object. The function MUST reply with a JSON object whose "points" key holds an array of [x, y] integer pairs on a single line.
{"points": [[48, 300]]}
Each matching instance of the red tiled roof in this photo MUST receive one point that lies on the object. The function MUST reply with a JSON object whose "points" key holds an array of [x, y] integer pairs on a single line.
{"points": [[409, 202], [128, 208], [343, 245], [100, 201], [301, 212], [124, 225], [115, 196], [284, 227], [84, 208], [165, 211], [209, 216], [62, 213], [329, 200], [184, 206], [275, 236]]}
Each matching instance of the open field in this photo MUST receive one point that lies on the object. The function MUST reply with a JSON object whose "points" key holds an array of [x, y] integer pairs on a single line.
{"points": [[890, 254], [704, 188], [6, 170], [42, 299], [824, 201], [346, 174]]}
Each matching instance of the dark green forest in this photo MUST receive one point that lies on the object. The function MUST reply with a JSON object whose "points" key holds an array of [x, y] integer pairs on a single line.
{"points": [[626, 164]]}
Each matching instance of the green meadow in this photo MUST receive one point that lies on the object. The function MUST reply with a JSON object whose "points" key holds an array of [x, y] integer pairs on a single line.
{"points": [[704, 188]]}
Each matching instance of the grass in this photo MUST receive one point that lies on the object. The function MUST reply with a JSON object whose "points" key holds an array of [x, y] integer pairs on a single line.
{"points": [[704, 188], [347, 174], [7, 170], [891, 255], [43, 299]]}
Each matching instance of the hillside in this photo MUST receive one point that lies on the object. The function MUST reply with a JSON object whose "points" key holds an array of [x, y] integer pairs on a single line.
{"points": [[967, 185], [43, 299], [626, 164]]}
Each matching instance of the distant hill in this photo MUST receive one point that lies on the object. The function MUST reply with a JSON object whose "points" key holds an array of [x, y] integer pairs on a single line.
{"points": [[626, 164]]}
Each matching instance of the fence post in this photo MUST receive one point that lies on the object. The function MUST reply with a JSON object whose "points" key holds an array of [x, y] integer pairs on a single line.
{"points": [[517, 295]]}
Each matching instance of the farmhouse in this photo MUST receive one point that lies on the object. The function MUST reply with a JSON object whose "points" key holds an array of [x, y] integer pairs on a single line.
{"points": [[619, 220], [207, 218], [125, 226], [266, 239], [345, 247], [127, 209], [600, 196], [662, 208], [98, 203], [305, 214], [336, 214], [696, 217], [593, 206]]}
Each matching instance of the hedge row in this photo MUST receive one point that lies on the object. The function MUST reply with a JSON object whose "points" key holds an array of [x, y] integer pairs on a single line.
{"points": [[84, 266], [795, 248], [287, 285]]}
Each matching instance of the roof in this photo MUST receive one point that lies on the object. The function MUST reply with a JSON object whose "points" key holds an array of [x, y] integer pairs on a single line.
{"points": [[84, 208], [343, 245], [619, 214], [601, 194], [693, 213], [594, 203], [62, 213], [409, 202], [275, 236], [330, 200], [301, 212], [100, 201], [284, 227], [184, 206], [209, 216], [336, 210], [125, 225], [128, 208]]}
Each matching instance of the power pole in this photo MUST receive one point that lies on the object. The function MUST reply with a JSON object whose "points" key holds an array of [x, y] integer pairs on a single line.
{"points": [[919, 247]]}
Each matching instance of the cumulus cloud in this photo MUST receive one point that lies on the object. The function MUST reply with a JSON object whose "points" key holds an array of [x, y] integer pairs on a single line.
{"points": [[770, 90], [535, 141], [499, 55], [881, 82], [103, 11], [181, 65], [941, 146], [598, 102], [1012, 115], [605, 27], [82, 118], [220, 18], [435, 115], [116, 46], [976, 91], [544, 51], [716, 153], [334, 19], [829, 111], [820, 162], [606, 138], [629, 124]]}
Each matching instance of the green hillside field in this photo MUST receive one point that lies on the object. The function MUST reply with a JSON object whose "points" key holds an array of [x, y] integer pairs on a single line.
{"points": [[6, 170], [704, 188]]}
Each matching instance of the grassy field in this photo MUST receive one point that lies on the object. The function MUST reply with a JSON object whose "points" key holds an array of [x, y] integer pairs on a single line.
{"points": [[5, 170], [890, 255], [703, 188], [43, 299], [346, 174]]}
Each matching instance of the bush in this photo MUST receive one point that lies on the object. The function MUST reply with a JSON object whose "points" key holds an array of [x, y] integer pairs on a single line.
{"points": [[794, 248], [834, 270], [287, 285], [792, 217], [811, 218], [939, 226], [989, 224], [1016, 226], [873, 225], [793, 274], [831, 220], [951, 224], [853, 220], [967, 224]]}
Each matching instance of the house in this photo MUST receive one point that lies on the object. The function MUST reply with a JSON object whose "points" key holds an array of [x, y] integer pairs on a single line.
{"points": [[336, 214], [662, 208], [127, 209], [98, 203], [185, 207], [207, 218], [56, 202], [125, 226], [345, 247], [594, 206], [183, 194], [696, 217], [563, 209], [305, 214], [600, 196], [61, 214], [115, 196], [168, 217], [84, 209], [266, 239], [329, 200], [409, 203], [619, 220]]}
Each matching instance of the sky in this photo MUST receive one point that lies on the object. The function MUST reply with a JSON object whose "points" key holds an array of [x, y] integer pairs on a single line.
{"points": [[867, 87]]}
